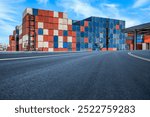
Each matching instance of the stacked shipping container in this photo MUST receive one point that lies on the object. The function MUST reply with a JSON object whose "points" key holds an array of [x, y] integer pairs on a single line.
{"points": [[143, 41], [100, 33], [44, 30]]}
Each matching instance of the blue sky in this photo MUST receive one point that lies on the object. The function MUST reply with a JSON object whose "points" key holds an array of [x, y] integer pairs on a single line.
{"points": [[134, 12]]}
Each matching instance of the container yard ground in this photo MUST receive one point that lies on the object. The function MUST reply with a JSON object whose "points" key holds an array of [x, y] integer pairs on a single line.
{"points": [[85, 75]]}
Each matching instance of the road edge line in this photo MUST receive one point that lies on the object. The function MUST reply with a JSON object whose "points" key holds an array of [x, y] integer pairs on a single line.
{"points": [[142, 58]]}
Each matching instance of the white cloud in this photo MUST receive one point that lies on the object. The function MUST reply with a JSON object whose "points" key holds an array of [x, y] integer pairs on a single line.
{"points": [[9, 18], [139, 3], [103, 9], [42, 1], [80, 8]]}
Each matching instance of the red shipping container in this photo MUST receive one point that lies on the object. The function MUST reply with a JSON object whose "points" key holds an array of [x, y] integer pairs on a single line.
{"points": [[86, 23], [117, 27], [69, 33], [139, 46], [85, 40], [103, 49], [45, 49], [45, 37], [73, 33], [130, 34], [46, 25], [73, 45], [60, 33], [60, 14], [51, 13], [64, 38], [55, 20], [50, 20], [82, 28], [51, 44], [131, 46], [51, 26], [70, 27], [41, 12], [74, 39], [51, 32], [55, 26], [129, 41], [90, 49], [50, 38], [74, 49]]}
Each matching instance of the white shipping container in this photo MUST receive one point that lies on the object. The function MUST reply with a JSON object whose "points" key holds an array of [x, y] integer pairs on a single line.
{"points": [[40, 44], [144, 46], [28, 11], [60, 26], [20, 29], [50, 49], [55, 32], [20, 41], [101, 35], [60, 38], [69, 21], [69, 39], [40, 37], [45, 44], [65, 21], [25, 38], [60, 21], [40, 25], [55, 14], [65, 27], [65, 15], [45, 31], [60, 45]]}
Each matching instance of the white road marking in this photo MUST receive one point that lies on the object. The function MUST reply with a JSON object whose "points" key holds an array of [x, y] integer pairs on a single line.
{"points": [[142, 58], [20, 58]]}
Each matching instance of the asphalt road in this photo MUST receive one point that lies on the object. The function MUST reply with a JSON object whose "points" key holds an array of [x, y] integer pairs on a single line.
{"points": [[86, 75]]}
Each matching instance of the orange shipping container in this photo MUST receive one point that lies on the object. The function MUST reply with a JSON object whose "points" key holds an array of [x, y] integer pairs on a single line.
{"points": [[147, 39], [85, 40], [82, 28], [85, 23]]}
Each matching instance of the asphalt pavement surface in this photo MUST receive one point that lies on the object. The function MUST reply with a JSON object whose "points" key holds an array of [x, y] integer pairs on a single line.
{"points": [[75, 76]]}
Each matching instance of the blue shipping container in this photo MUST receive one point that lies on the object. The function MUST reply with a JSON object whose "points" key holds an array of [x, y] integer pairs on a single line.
{"points": [[35, 12], [55, 38], [55, 45], [65, 45], [40, 31]]}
